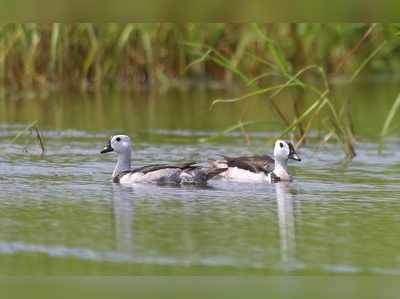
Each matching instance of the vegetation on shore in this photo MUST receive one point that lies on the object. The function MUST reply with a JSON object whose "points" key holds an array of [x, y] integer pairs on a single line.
{"points": [[144, 56], [263, 59]]}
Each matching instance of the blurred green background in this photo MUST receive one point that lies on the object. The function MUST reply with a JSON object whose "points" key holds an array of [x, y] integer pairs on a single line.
{"points": [[192, 91], [142, 56], [302, 63]]}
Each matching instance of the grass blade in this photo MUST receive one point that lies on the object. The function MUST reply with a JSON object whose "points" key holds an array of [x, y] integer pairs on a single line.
{"points": [[252, 94], [24, 131], [388, 121], [199, 60], [318, 103], [240, 125], [368, 59]]}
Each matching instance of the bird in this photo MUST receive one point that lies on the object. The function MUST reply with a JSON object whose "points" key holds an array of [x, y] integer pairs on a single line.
{"points": [[177, 174], [259, 168]]}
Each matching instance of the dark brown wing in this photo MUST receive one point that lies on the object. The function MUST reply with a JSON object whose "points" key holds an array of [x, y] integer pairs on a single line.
{"points": [[251, 163], [154, 167]]}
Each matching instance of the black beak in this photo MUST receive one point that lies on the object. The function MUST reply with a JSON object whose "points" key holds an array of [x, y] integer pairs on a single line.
{"points": [[292, 154], [295, 156], [107, 148]]}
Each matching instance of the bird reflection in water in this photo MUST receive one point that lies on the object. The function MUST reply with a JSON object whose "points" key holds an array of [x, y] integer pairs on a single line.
{"points": [[123, 207], [286, 220]]}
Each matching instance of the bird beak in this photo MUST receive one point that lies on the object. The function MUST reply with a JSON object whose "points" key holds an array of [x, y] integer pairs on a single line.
{"points": [[293, 155], [107, 148]]}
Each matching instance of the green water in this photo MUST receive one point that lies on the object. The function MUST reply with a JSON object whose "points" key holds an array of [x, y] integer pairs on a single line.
{"points": [[60, 213]]}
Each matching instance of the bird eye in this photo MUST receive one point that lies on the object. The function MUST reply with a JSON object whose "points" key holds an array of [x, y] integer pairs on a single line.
{"points": [[281, 144], [118, 139]]}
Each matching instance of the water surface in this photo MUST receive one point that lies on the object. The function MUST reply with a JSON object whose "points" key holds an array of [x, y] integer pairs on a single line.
{"points": [[60, 213]]}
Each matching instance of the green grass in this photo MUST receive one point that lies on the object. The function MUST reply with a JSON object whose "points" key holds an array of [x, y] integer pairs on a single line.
{"points": [[143, 56], [388, 122], [256, 59], [290, 72]]}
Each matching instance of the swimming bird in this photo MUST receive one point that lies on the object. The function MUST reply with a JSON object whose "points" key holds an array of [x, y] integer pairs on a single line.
{"points": [[187, 173], [259, 168]]}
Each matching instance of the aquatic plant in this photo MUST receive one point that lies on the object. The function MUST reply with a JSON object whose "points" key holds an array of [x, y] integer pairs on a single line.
{"points": [[262, 59], [388, 122], [32, 131], [290, 74]]}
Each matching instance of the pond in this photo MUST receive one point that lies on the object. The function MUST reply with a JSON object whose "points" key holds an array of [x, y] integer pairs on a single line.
{"points": [[61, 214]]}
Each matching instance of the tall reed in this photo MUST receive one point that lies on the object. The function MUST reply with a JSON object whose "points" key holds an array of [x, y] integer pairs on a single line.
{"points": [[292, 72], [262, 59], [155, 56]]}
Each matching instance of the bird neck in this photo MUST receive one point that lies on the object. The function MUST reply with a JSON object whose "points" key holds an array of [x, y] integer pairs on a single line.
{"points": [[123, 163], [281, 169]]}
